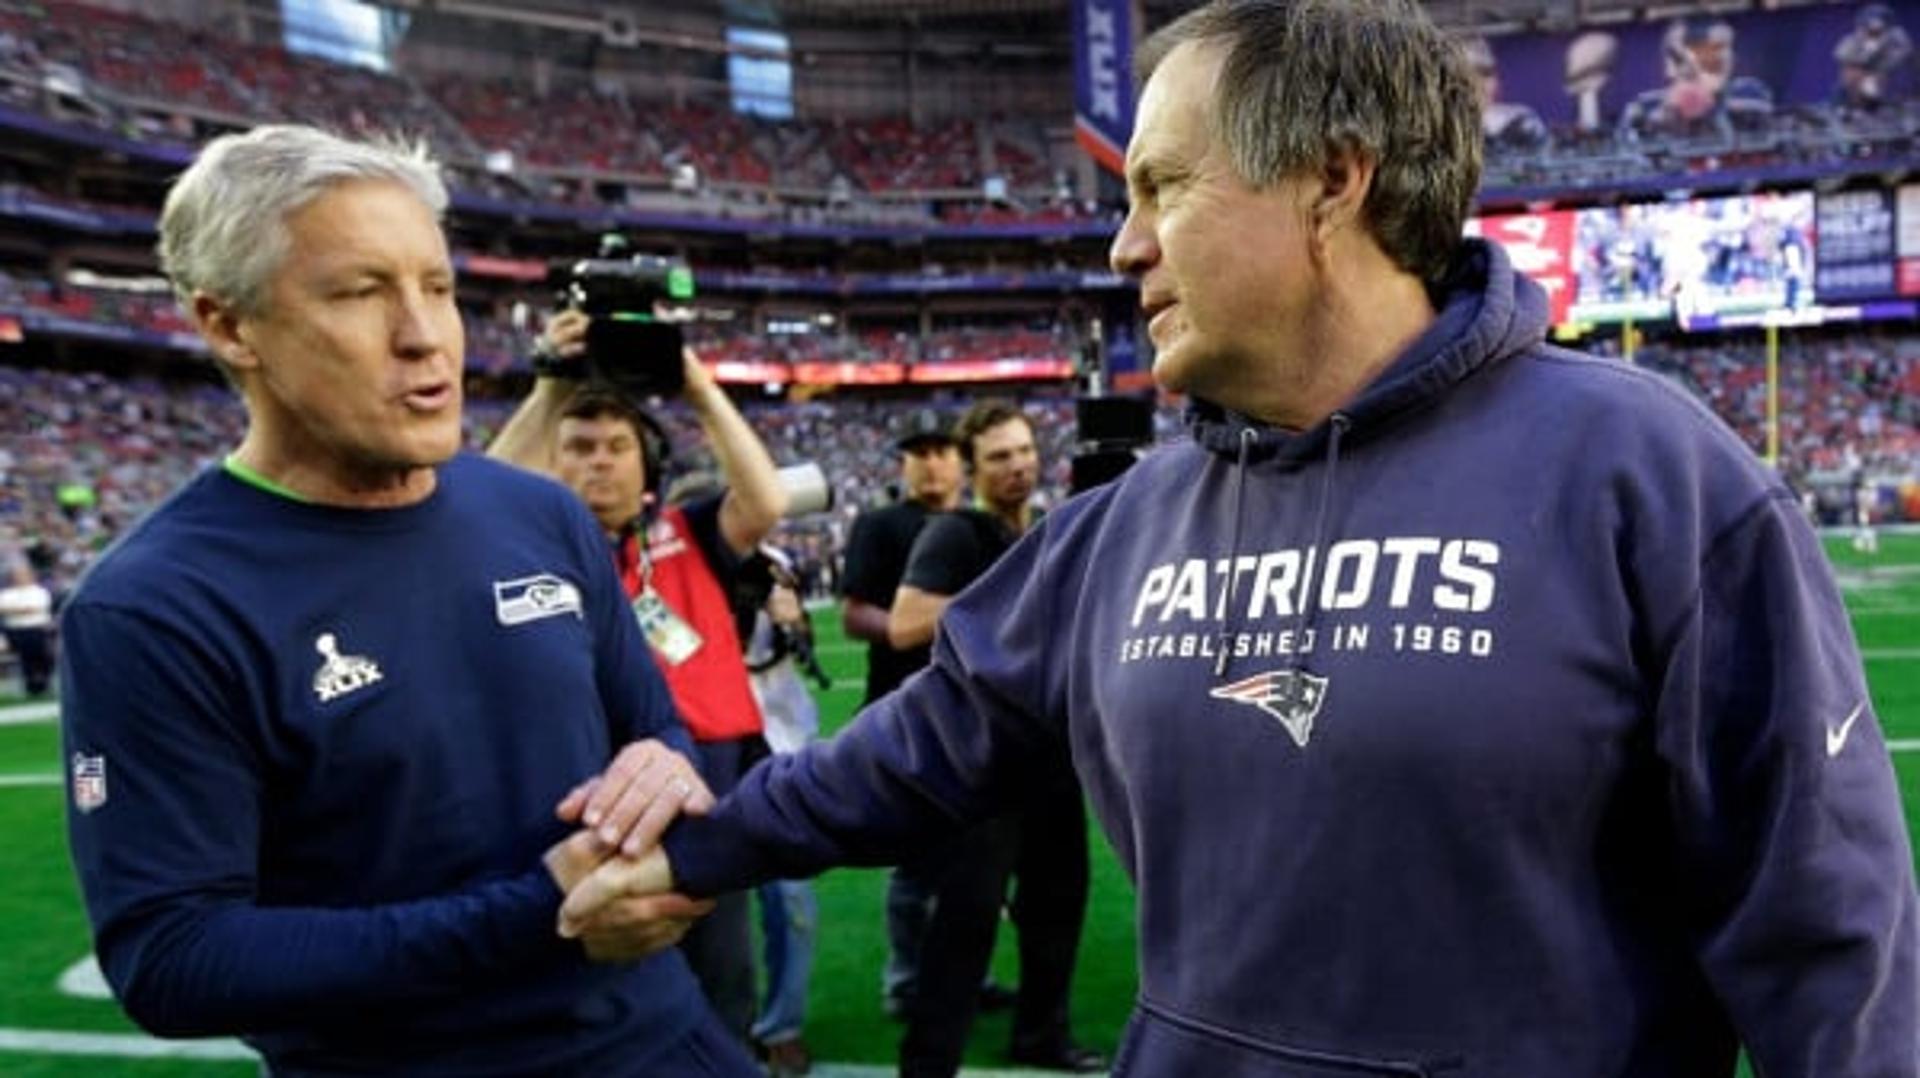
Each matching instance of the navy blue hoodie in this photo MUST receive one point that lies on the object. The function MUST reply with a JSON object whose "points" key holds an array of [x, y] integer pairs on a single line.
{"points": [[1508, 723]]}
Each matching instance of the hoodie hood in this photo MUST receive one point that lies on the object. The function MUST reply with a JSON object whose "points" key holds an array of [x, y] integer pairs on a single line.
{"points": [[1486, 313]]}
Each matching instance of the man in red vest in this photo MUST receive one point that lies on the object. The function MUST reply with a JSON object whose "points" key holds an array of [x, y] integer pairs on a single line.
{"points": [[675, 562]]}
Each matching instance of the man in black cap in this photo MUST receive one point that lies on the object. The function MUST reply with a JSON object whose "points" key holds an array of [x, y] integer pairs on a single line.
{"points": [[1041, 840], [875, 560], [877, 548]]}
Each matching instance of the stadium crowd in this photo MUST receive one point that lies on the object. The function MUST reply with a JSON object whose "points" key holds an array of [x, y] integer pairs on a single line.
{"points": [[159, 80], [85, 454], [82, 455], [1858, 392], [130, 69], [495, 344]]}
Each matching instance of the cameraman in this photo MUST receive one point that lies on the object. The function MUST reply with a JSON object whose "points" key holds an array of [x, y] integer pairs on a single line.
{"points": [[677, 564]]}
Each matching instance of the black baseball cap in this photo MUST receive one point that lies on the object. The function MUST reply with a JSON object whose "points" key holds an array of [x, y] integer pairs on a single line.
{"points": [[924, 427]]}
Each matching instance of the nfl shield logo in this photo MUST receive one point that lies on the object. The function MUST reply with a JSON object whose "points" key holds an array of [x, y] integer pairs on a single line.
{"points": [[89, 782]]}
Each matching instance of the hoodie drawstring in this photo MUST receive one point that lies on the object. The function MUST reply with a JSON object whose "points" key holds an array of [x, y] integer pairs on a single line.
{"points": [[1308, 612], [1305, 614], [1247, 437]]}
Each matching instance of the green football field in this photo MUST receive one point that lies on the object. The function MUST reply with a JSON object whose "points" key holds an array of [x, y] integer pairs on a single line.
{"points": [[47, 1031]]}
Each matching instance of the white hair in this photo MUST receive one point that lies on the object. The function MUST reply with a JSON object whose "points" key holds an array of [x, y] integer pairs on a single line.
{"points": [[223, 231]]}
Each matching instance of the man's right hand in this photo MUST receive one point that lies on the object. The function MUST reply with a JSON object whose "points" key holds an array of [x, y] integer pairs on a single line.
{"points": [[612, 884], [626, 928]]}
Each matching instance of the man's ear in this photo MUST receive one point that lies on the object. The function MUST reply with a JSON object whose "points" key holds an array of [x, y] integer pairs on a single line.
{"points": [[219, 321], [1344, 180]]}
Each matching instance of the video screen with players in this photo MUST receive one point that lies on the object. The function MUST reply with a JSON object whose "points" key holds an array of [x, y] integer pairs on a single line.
{"points": [[1695, 258]]}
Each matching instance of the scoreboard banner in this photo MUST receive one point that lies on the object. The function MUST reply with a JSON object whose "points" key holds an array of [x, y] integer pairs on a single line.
{"points": [[1855, 230], [1103, 79], [1907, 241]]}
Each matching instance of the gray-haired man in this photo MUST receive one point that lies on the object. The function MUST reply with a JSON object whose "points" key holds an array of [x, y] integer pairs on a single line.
{"points": [[1458, 705], [320, 707]]}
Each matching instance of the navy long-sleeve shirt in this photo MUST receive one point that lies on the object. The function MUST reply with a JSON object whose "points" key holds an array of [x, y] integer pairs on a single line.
{"points": [[320, 751]]}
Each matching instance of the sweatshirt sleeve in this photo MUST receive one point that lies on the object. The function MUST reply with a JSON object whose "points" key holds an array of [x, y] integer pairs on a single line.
{"points": [[168, 860], [1799, 875], [948, 748]]}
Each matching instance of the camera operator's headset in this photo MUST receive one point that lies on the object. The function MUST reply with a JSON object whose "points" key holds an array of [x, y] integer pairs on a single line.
{"points": [[656, 452]]}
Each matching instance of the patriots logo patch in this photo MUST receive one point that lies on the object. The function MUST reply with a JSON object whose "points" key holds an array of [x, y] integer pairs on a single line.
{"points": [[1291, 696]]}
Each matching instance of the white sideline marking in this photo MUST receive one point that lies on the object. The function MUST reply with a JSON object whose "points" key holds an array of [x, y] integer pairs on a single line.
{"points": [[139, 1046], [1904, 744], [38, 711], [29, 780], [1889, 654], [124, 1045]]}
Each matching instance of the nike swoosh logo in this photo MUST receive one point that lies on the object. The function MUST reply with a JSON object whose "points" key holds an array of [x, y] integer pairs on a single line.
{"points": [[1837, 735]]}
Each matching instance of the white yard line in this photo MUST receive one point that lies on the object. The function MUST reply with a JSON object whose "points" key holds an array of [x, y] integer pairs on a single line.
{"points": [[29, 780], [54, 1042], [38, 711]]}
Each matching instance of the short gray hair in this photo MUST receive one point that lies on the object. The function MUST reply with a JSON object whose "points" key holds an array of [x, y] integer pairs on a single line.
{"points": [[1304, 80], [223, 230]]}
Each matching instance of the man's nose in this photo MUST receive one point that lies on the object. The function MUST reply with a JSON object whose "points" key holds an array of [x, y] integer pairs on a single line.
{"points": [[1134, 248]]}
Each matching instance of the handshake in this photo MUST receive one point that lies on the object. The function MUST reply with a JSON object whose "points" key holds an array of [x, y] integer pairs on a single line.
{"points": [[620, 903]]}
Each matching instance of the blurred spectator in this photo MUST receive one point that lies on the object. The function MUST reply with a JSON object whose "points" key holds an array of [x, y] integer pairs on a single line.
{"points": [[1869, 57], [26, 616]]}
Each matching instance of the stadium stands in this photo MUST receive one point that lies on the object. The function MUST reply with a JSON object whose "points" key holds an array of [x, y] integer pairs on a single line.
{"points": [[132, 71], [1846, 397]]}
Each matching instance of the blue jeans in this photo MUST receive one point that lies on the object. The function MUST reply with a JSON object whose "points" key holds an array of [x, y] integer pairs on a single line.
{"points": [[788, 914], [910, 888]]}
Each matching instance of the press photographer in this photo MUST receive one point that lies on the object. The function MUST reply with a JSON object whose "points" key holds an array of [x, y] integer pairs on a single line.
{"points": [[678, 563], [772, 619]]}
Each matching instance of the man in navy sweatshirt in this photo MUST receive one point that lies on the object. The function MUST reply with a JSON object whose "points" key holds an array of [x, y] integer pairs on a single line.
{"points": [[1459, 705], [320, 708]]}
